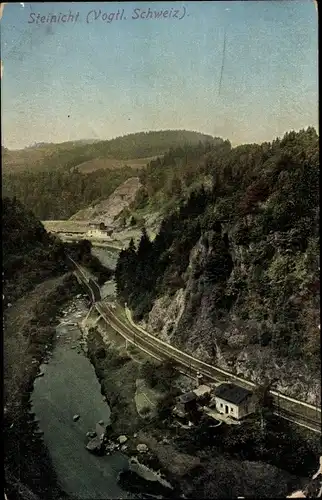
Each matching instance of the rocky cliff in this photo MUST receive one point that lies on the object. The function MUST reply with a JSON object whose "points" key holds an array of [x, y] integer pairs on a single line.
{"points": [[233, 274], [107, 210], [184, 320]]}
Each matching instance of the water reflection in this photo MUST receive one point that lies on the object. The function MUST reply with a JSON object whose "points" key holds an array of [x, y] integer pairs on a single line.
{"points": [[69, 386]]}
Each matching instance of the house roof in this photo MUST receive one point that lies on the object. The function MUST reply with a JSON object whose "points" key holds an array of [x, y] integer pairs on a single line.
{"points": [[232, 393], [202, 390], [187, 397]]}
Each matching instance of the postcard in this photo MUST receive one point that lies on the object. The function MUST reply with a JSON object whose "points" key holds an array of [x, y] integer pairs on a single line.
{"points": [[161, 249]]}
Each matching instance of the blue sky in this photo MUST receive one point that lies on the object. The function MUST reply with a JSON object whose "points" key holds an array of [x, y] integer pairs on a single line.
{"points": [[67, 81]]}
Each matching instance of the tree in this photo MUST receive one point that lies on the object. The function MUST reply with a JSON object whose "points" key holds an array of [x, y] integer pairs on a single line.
{"points": [[125, 272], [262, 400], [256, 193], [145, 246], [175, 188]]}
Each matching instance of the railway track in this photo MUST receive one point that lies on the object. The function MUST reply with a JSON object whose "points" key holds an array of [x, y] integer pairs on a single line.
{"points": [[309, 417], [299, 412]]}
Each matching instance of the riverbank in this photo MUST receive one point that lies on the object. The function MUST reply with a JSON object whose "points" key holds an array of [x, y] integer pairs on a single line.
{"points": [[118, 369], [29, 333], [117, 373], [203, 462]]}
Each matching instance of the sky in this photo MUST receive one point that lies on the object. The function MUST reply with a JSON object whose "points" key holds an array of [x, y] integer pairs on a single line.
{"points": [[242, 70]]}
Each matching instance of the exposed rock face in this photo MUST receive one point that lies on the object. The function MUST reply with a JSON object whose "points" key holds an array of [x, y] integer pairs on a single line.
{"points": [[165, 326], [106, 211], [187, 321]]}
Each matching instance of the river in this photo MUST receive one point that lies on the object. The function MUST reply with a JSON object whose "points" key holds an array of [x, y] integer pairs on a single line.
{"points": [[69, 386]]}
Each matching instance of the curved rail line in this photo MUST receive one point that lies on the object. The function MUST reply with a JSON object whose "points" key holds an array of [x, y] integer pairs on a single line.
{"points": [[299, 412], [191, 369], [206, 365]]}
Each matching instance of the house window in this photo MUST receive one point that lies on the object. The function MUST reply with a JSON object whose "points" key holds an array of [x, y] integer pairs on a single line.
{"points": [[231, 410], [221, 405]]}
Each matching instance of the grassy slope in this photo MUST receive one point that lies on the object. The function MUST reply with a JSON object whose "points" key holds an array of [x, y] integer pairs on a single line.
{"points": [[112, 164]]}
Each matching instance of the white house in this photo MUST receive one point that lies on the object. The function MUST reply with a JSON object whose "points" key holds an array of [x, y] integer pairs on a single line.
{"points": [[99, 230], [234, 401], [96, 233]]}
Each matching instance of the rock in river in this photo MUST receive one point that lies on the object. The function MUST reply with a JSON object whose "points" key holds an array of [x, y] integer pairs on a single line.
{"points": [[95, 445]]}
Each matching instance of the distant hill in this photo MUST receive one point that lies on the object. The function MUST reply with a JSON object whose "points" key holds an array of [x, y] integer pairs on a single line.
{"points": [[56, 181], [70, 154], [72, 143]]}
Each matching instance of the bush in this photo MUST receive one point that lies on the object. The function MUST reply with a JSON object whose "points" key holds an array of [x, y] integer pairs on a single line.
{"points": [[100, 353], [145, 411], [160, 376], [149, 373], [166, 404]]}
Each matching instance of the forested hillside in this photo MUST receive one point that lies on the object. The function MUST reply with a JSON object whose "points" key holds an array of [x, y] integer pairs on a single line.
{"points": [[179, 170], [233, 274], [59, 194], [30, 255], [47, 181], [37, 282]]}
